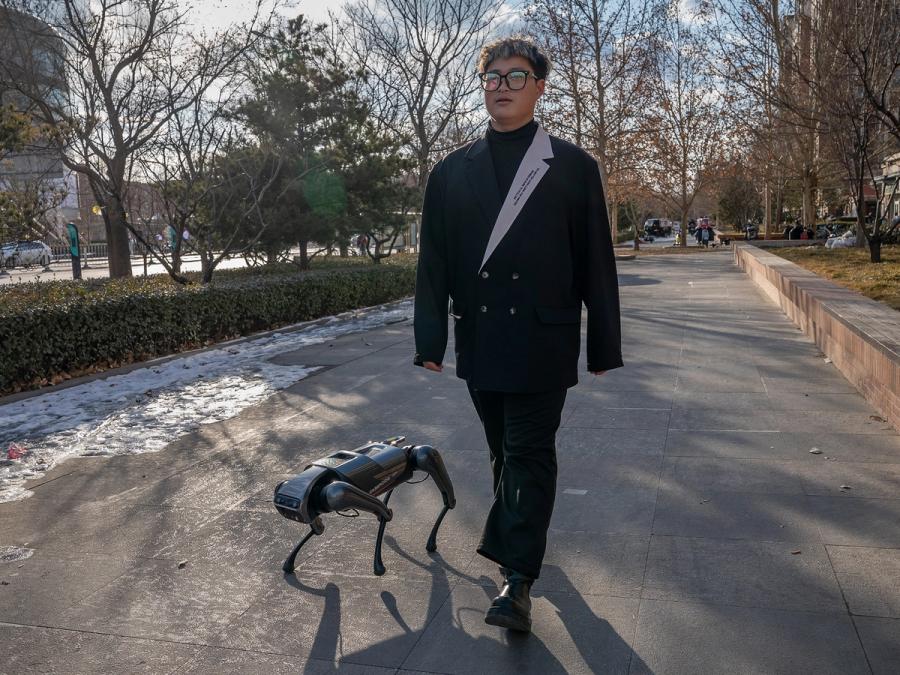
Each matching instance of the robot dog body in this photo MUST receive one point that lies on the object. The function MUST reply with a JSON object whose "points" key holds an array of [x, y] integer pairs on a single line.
{"points": [[354, 480]]}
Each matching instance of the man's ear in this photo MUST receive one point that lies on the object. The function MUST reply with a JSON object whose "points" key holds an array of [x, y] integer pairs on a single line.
{"points": [[540, 86]]}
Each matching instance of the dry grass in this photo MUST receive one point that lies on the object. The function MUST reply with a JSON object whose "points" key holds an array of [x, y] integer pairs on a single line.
{"points": [[850, 267]]}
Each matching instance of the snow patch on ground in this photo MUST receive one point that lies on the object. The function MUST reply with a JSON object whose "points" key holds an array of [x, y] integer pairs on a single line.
{"points": [[145, 409]]}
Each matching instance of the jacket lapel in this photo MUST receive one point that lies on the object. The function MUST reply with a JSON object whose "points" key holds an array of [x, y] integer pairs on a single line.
{"points": [[483, 181]]}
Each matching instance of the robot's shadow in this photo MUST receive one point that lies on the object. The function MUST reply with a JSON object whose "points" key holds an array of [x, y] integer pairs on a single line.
{"points": [[457, 628]]}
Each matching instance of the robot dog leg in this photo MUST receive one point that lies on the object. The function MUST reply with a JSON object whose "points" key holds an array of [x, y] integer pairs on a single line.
{"points": [[354, 480]]}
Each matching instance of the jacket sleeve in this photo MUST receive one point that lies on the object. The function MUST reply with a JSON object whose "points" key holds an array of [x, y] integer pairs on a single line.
{"points": [[432, 283], [600, 286]]}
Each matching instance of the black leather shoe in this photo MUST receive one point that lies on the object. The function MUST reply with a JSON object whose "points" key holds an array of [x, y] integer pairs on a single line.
{"points": [[512, 608]]}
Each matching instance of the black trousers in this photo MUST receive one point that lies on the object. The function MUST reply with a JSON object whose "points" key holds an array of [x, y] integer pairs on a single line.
{"points": [[521, 434]]}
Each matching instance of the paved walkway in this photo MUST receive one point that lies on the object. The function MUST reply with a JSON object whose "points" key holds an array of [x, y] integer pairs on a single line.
{"points": [[694, 531]]}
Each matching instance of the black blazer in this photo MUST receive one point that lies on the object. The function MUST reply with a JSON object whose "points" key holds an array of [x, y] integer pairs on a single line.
{"points": [[517, 323]]}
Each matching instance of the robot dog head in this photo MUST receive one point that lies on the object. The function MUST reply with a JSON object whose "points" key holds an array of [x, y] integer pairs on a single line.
{"points": [[298, 498]]}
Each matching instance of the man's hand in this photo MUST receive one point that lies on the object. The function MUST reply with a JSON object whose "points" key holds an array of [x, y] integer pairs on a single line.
{"points": [[598, 373], [431, 365]]}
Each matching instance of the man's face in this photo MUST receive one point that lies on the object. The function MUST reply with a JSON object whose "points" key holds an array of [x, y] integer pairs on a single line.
{"points": [[505, 105]]}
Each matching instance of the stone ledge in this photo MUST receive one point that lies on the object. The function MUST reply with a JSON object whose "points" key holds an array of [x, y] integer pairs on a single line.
{"points": [[859, 335]]}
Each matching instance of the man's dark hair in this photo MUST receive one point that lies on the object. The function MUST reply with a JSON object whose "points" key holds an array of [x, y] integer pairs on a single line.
{"points": [[516, 45]]}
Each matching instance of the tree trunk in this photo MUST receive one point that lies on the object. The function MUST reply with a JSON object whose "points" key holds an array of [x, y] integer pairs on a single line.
{"points": [[206, 268], [176, 258], [117, 239], [614, 222], [344, 249], [875, 250], [304, 254], [860, 211], [807, 216]]}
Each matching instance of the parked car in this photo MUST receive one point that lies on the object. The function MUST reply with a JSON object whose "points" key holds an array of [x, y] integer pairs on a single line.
{"points": [[25, 254]]}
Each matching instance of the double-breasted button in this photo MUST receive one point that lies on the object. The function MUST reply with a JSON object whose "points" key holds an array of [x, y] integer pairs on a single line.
{"points": [[512, 310], [485, 275], [515, 275], [482, 308]]}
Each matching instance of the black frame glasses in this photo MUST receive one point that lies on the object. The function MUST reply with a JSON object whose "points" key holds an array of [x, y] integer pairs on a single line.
{"points": [[492, 80]]}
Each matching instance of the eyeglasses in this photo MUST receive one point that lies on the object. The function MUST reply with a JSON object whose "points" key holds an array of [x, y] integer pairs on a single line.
{"points": [[515, 80]]}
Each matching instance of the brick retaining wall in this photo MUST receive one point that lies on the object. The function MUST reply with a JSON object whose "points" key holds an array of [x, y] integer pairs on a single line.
{"points": [[859, 335]]}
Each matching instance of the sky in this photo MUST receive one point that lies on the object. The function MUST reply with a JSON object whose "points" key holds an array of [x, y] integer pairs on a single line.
{"points": [[217, 14]]}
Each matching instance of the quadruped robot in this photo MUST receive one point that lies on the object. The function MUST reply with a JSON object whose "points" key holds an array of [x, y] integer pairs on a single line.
{"points": [[347, 480]]}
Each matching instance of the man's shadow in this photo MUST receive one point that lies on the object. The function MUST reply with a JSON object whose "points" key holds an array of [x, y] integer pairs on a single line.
{"points": [[459, 641]]}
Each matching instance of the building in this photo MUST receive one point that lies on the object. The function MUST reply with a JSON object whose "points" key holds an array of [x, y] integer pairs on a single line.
{"points": [[31, 55], [888, 186]]}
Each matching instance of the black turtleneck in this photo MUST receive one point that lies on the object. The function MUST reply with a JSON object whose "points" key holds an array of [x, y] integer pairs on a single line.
{"points": [[507, 150]]}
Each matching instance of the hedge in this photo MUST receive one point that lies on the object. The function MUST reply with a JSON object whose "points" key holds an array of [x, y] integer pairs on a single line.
{"points": [[51, 331]]}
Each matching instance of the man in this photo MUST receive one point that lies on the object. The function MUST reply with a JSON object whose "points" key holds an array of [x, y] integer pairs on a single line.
{"points": [[515, 235]]}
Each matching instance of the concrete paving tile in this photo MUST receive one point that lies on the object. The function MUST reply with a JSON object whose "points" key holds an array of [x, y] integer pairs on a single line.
{"points": [[614, 471], [881, 640], [830, 385], [370, 621], [37, 589], [570, 634], [624, 441], [743, 573], [727, 515], [700, 419], [784, 445], [858, 423], [605, 510], [100, 478], [28, 649], [633, 377], [846, 403], [858, 522], [583, 563], [348, 552], [594, 417], [210, 484], [431, 410], [747, 382], [865, 479], [737, 403], [716, 474], [117, 529], [675, 638], [655, 400], [468, 437], [156, 599], [868, 577], [240, 539], [214, 661], [26, 522]]}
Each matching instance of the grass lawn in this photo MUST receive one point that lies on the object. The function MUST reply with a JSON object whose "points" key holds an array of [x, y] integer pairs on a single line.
{"points": [[850, 267]]}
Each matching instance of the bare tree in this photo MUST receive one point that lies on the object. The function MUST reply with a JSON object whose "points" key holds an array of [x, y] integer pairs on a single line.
{"points": [[418, 57], [870, 43], [686, 124], [853, 122], [27, 205], [121, 63], [602, 54]]}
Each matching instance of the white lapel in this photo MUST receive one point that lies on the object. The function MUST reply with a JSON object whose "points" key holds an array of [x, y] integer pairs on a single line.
{"points": [[529, 174]]}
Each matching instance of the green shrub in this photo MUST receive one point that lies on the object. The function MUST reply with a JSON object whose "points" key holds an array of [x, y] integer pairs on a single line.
{"points": [[52, 330]]}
